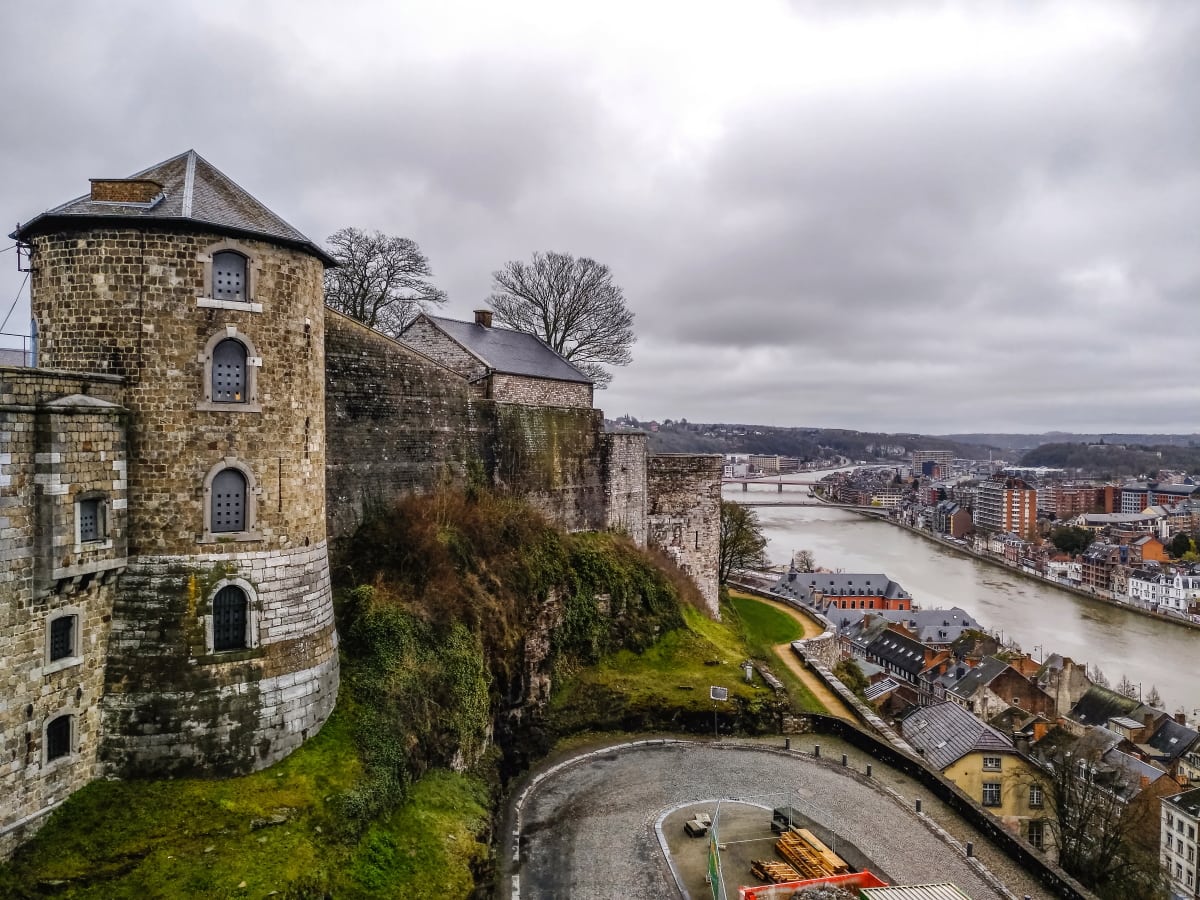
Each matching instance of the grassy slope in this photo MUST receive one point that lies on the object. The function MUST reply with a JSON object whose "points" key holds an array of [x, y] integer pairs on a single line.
{"points": [[763, 628], [190, 837]]}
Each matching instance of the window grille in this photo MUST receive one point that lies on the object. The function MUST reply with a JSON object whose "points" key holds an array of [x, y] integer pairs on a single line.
{"points": [[58, 738], [62, 638], [229, 372], [229, 619], [1036, 798], [991, 762], [229, 276], [91, 527], [229, 501]]}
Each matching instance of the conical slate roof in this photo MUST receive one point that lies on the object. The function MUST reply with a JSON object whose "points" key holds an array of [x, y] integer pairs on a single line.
{"points": [[193, 190]]}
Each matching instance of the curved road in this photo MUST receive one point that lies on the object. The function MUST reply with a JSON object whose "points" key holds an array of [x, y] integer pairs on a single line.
{"points": [[587, 828]]}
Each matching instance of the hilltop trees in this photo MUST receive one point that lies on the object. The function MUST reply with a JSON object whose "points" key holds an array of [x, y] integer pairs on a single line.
{"points": [[381, 280], [572, 304], [741, 541]]}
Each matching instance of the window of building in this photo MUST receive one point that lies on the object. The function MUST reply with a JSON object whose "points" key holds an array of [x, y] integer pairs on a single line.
{"points": [[991, 763], [62, 637], [229, 277], [58, 738], [229, 372], [1037, 833], [1191, 832], [90, 528], [229, 611], [228, 501], [1036, 798], [991, 793]]}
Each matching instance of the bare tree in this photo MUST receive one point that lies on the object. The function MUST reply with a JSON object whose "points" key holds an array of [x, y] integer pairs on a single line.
{"points": [[741, 541], [1154, 698], [1097, 676], [1127, 688], [1104, 827], [381, 280], [804, 561], [572, 304]]}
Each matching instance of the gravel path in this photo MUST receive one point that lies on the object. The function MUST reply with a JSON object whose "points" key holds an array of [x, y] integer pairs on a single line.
{"points": [[587, 829]]}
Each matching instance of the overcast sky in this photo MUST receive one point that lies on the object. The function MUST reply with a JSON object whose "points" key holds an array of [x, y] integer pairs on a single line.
{"points": [[879, 215]]}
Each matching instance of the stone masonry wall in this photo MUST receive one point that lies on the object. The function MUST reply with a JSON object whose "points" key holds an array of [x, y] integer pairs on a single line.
{"points": [[52, 452], [624, 478], [540, 391], [434, 343], [684, 516], [234, 711], [137, 303]]}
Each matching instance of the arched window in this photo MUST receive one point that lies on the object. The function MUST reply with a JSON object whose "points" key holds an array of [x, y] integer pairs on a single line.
{"points": [[229, 372], [229, 501], [229, 619], [229, 280]]}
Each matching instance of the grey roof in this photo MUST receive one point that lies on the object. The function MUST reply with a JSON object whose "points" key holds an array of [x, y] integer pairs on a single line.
{"points": [[946, 732], [985, 673], [193, 190], [1099, 704], [931, 626], [509, 352], [906, 654], [1172, 740], [880, 689], [839, 584], [1188, 801]]}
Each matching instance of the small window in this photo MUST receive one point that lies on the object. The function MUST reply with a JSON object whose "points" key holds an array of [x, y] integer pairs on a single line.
{"points": [[91, 520], [1037, 833], [62, 637], [229, 276], [229, 619], [58, 738], [991, 793], [991, 763], [229, 501], [229, 372], [1036, 798]]}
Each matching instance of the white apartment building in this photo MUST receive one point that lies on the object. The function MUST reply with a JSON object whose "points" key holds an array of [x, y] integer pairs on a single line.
{"points": [[1177, 843]]}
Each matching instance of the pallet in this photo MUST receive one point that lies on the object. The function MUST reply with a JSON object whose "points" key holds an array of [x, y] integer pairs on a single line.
{"points": [[808, 855], [773, 871]]}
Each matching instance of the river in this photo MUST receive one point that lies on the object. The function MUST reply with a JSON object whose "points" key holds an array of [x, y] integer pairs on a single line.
{"points": [[1041, 619]]}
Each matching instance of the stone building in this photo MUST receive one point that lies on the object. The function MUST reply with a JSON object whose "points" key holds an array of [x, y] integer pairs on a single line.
{"points": [[195, 429]]}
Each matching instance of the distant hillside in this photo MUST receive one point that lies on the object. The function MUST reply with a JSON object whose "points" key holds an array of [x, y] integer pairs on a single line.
{"points": [[1027, 441], [1114, 459], [806, 443]]}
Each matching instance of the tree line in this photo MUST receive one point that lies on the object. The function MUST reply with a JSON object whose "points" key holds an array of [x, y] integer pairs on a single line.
{"points": [[572, 303]]}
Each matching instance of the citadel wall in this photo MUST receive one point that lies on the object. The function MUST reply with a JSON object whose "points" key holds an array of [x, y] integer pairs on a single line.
{"points": [[62, 442], [684, 516]]}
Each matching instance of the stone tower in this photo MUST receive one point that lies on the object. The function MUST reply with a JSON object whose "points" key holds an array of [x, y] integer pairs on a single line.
{"points": [[208, 308]]}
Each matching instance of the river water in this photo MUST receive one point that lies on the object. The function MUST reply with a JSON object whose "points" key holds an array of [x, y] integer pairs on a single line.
{"points": [[1041, 619]]}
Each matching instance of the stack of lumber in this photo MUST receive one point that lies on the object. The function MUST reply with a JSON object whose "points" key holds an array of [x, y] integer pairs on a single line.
{"points": [[772, 871], [808, 855]]}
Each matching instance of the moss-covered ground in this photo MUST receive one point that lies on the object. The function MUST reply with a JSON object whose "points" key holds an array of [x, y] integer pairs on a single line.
{"points": [[276, 830]]}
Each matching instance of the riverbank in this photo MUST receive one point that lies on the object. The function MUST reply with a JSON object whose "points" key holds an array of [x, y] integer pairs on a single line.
{"points": [[1031, 576]]}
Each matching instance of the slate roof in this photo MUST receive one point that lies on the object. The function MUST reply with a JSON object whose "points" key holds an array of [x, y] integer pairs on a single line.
{"points": [[902, 652], [1188, 801], [985, 673], [931, 626], [193, 190], [1172, 740], [509, 352], [947, 733], [838, 584]]}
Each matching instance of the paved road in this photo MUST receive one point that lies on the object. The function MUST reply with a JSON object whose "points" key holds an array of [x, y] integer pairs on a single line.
{"points": [[588, 828]]}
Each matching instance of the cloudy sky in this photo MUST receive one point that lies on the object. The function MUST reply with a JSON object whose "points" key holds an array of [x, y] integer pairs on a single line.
{"points": [[880, 215]]}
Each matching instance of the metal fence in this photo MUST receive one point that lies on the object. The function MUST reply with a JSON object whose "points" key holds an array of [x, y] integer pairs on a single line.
{"points": [[17, 350]]}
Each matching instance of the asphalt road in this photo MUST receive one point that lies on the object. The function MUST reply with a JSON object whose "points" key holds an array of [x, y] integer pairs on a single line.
{"points": [[588, 828]]}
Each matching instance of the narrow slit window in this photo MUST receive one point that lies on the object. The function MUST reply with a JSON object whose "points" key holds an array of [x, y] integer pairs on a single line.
{"points": [[229, 277], [229, 372], [229, 619], [229, 501], [58, 738], [62, 638]]}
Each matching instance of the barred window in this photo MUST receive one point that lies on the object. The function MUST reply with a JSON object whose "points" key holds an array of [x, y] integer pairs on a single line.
{"points": [[62, 637], [229, 372], [91, 520], [58, 738], [229, 276], [229, 501], [229, 619]]}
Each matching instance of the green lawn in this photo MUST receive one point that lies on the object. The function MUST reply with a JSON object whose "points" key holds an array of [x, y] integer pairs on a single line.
{"points": [[763, 626]]}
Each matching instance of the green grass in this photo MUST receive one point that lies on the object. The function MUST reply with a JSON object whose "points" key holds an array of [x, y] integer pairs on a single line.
{"points": [[763, 626], [275, 830]]}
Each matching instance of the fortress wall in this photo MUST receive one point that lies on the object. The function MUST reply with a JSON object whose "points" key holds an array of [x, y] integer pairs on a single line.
{"points": [[52, 453], [684, 515]]}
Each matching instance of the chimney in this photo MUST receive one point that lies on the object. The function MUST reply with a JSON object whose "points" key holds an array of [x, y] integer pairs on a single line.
{"points": [[125, 190], [1181, 717], [483, 317]]}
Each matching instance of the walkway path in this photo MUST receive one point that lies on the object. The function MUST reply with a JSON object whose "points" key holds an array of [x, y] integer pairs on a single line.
{"points": [[830, 700]]}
